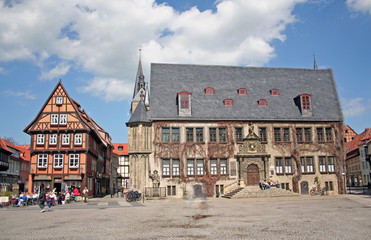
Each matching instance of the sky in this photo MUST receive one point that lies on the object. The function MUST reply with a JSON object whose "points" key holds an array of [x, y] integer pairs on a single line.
{"points": [[93, 47]]}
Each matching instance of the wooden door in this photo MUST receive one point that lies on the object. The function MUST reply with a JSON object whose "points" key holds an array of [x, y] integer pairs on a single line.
{"points": [[252, 175]]}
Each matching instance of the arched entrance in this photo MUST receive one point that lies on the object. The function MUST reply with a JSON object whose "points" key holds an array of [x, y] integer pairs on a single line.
{"points": [[304, 187], [252, 175]]}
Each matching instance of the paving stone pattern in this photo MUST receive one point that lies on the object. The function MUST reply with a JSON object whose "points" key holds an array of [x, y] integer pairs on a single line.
{"points": [[299, 217]]}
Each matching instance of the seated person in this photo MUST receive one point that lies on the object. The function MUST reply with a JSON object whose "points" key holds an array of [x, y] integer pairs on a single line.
{"points": [[22, 200], [67, 197]]}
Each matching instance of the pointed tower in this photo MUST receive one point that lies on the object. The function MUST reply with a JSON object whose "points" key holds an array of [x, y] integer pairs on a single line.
{"points": [[139, 133], [140, 88], [315, 64]]}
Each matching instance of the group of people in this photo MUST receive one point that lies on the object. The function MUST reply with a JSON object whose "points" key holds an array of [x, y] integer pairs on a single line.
{"points": [[24, 199], [268, 184]]}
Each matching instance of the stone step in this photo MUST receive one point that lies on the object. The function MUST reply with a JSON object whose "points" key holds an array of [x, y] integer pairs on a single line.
{"points": [[256, 192]]}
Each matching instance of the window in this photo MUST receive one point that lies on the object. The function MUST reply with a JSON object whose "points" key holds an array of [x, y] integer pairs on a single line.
{"points": [[65, 139], [305, 101], [170, 134], [262, 102], [184, 100], [331, 164], [263, 134], [120, 149], [214, 166], [223, 166], [59, 100], [171, 190], [189, 133], [228, 102], [40, 139], [53, 139], [238, 134], [200, 167], [63, 119], [288, 165], [42, 160], [281, 134], [242, 91], [320, 136], [199, 134], [166, 167], [322, 164], [176, 167], [165, 134], [212, 132], [54, 119], [222, 135], [275, 92], [190, 167], [58, 160], [279, 165], [74, 160], [78, 140], [307, 165], [307, 134], [209, 91], [329, 186], [175, 134], [329, 134]]}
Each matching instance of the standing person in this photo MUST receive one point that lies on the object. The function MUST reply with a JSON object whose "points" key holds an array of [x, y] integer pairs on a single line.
{"points": [[85, 192], [42, 198], [76, 193]]}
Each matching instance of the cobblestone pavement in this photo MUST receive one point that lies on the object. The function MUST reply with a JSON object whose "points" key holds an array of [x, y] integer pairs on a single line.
{"points": [[320, 217]]}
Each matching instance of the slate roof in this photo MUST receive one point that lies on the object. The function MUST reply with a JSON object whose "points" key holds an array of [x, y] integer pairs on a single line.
{"points": [[169, 79], [140, 114]]}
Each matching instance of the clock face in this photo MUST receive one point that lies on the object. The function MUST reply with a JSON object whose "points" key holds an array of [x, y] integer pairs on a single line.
{"points": [[252, 147]]}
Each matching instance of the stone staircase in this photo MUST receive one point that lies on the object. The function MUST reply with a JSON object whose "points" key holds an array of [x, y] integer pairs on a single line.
{"points": [[256, 192], [232, 193]]}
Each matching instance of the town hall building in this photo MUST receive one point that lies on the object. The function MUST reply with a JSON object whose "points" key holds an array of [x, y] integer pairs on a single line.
{"points": [[229, 127]]}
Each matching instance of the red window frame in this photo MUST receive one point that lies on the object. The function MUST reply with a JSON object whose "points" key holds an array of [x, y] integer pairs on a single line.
{"points": [[184, 99], [242, 91], [305, 101], [262, 102], [275, 92], [228, 102], [209, 91]]}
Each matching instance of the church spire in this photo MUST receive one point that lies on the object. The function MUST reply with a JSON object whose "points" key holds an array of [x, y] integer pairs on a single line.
{"points": [[139, 82], [315, 64]]}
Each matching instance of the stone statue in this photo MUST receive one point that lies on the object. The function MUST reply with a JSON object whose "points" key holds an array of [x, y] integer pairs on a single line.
{"points": [[155, 179]]}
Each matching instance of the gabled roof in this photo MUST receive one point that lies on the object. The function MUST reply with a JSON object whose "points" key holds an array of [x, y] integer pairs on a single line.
{"points": [[124, 149], [3, 146], [358, 140], [25, 152], [89, 123], [140, 114], [169, 79]]}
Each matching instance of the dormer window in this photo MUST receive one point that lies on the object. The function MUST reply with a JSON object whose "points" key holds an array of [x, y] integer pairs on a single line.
{"points": [[59, 100], [228, 102], [262, 102], [209, 91], [242, 91], [184, 103], [275, 92], [305, 101]]}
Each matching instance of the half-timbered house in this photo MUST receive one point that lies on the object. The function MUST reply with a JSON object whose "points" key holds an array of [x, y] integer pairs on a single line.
{"points": [[68, 148]]}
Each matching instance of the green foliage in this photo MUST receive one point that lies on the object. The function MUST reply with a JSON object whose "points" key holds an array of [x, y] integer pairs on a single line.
{"points": [[7, 193]]}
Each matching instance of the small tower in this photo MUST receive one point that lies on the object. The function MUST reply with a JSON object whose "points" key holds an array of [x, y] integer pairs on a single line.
{"points": [[139, 133], [315, 64]]}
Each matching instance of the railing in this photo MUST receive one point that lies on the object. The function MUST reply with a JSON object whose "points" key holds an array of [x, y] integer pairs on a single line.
{"points": [[155, 192], [357, 189]]}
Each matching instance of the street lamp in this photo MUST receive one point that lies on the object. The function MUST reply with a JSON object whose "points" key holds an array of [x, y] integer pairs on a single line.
{"points": [[345, 188]]}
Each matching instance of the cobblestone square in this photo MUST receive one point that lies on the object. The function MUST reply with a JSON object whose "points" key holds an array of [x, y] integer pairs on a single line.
{"points": [[324, 217]]}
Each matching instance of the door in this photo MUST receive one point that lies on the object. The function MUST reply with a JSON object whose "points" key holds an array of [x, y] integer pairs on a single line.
{"points": [[252, 175], [304, 187]]}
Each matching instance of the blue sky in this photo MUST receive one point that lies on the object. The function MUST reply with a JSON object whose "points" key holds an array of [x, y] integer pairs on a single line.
{"points": [[93, 47]]}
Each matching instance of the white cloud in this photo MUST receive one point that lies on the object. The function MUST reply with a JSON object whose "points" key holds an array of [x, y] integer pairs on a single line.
{"points": [[363, 6], [103, 37], [353, 107], [59, 71], [25, 94], [2, 70]]}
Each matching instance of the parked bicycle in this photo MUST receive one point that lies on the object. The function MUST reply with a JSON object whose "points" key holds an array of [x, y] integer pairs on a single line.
{"points": [[316, 191]]}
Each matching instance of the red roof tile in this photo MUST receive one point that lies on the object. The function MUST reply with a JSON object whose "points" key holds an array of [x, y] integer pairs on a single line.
{"points": [[357, 141], [3, 145], [124, 147]]}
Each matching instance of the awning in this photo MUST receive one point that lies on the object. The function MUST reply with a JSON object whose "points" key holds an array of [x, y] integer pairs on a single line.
{"points": [[73, 178], [42, 178]]}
